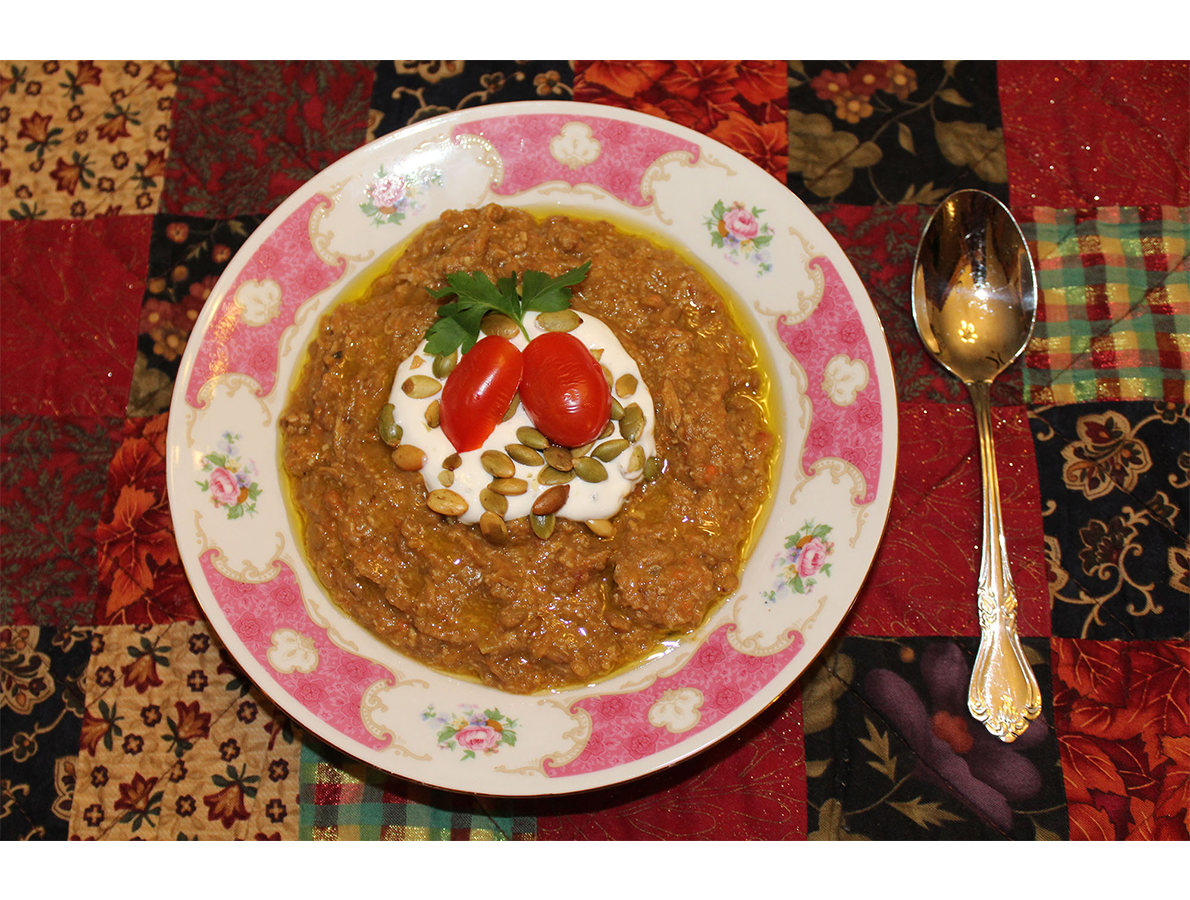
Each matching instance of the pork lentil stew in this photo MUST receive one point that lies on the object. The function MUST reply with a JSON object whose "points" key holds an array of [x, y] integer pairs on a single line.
{"points": [[526, 610]]}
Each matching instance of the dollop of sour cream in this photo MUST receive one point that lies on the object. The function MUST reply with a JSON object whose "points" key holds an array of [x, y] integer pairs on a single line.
{"points": [[586, 501]]}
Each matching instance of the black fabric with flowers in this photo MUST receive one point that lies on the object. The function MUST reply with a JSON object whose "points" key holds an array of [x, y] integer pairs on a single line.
{"points": [[892, 754]]}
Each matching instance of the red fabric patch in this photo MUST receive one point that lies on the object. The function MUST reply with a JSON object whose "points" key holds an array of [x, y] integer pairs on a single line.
{"points": [[248, 134], [741, 104], [1121, 712], [140, 571], [752, 786], [1096, 133], [72, 294], [926, 573]]}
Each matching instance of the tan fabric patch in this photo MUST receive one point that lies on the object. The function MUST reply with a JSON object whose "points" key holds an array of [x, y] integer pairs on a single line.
{"points": [[84, 139], [177, 744]]}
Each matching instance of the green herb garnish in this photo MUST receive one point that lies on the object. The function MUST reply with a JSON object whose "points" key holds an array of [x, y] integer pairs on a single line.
{"points": [[458, 322]]}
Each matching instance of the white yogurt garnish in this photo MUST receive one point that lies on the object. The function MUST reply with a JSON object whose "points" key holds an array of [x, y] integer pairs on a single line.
{"points": [[587, 501]]}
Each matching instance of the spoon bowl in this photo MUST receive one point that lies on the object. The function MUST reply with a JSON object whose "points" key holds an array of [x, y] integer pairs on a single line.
{"points": [[974, 303]]}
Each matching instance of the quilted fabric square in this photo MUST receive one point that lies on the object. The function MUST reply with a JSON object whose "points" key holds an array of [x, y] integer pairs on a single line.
{"points": [[887, 131], [740, 103], [83, 138], [52, 472], [1115, 495], [41, 713], [248, 134], [408, 91], [926, 573], [1097, 132], [1113, 318], [893, 754], [185, 749], [80, 311], [344, 800]]}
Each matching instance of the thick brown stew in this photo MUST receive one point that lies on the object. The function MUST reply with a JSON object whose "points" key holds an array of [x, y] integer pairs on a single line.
{"points": [[532, 614]]}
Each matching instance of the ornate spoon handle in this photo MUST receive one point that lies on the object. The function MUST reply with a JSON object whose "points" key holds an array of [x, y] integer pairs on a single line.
{"points": [[1004, 693]]}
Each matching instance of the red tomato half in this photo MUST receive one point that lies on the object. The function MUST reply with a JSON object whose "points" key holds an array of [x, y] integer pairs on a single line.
{"points": [[477, 393], [563, 389]]}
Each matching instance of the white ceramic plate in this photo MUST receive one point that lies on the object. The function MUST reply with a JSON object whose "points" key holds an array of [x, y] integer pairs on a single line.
{"points": [[833, 386]]}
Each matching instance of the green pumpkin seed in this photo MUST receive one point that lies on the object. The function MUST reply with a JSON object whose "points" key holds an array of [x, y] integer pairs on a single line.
{"points": [[557, 458], [609, 450], [551, 500], [632, 425], [549, 475], [390, 432], [653, 468], [526, 456], [446, 503], [493, 502], [446, 478], [452, 462], [626, 385], [589, 469], [433, 414], [608, 430], [409, 458], [560, 320], [509, 486], [576, 452], [543, 526], [636, 462], [443, 365], [497, 464], [617, 410], [493, 528], [420, 387], [512, 407], [499, 325], [531, 437], [602, 528]]}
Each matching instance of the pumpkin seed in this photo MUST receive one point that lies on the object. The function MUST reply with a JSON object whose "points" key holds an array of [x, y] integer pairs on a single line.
{"points": [[653, 468], [493, 502], [597, 353], [493, 528], [543, 526], [633, 423], [446, 478], [609, 450], [576, 452], [607, 376], [419, 387], [443, 365], [602, 528], [433, 414], [589, 469], [416, 362], [500, 325], [512, 407], [526, 456], [497, 464], [559, 320], [390, 432], [550, 475], [636, 462], [557, 458], [409, 458], [452, 462], [626, 385], [617, 410], [509, 486], [446, 502], [551, 500], [531, 437], [608, 430]]}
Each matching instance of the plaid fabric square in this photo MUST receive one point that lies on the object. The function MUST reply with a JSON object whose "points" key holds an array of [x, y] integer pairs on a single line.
{"points": [[343, 799], [1113, 319]]}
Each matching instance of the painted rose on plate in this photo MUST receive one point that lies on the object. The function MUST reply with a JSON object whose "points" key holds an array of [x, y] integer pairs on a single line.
{"points": [[472, 730], [230, 478], [802, 562], [739, 231]]}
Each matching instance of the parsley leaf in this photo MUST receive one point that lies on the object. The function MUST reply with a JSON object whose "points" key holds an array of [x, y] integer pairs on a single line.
{"points": [[458, 322]]}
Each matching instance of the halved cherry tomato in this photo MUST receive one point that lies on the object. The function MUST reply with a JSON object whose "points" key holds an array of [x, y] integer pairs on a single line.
{"points": [[563, 389], [478, 391]]}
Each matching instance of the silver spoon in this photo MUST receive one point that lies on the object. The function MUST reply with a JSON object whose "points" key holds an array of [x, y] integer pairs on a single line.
{"points": [[974, 301]]}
